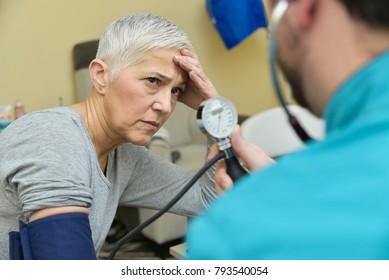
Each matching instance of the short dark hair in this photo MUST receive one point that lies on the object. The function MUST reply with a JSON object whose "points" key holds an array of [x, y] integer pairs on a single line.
{"points": [[373, 12]]}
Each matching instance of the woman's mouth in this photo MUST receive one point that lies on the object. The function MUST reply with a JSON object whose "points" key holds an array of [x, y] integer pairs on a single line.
{"points": [[152, 125]]}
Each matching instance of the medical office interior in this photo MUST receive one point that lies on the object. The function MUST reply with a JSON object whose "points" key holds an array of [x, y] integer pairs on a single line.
{"points": [[43, 48]]}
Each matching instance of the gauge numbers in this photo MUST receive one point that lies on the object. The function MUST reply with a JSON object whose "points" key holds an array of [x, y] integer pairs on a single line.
{"points": [[217, 117]]}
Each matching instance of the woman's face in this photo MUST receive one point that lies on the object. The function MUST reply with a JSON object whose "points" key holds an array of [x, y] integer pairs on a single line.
{"points": [[143, 96]]}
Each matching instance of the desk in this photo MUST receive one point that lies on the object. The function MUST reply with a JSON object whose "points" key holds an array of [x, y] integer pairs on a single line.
{"points": [[178, 251]]}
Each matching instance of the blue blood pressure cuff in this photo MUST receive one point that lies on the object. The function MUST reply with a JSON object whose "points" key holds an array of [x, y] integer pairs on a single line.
{"points": [[57, 237], [235, 20]]}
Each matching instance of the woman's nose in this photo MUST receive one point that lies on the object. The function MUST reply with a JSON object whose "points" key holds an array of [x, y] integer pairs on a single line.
{"points": [[163, 102]]}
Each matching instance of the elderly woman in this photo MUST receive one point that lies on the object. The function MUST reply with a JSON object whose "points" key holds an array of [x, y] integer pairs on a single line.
{"points": [[65, 170]]}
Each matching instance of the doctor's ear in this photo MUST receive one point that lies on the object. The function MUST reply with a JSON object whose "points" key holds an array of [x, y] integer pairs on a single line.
{"points": [[99, 74], [306, 12]]}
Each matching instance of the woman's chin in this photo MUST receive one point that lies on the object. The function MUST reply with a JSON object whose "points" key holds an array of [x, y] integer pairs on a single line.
{"points": [[144, 141]]}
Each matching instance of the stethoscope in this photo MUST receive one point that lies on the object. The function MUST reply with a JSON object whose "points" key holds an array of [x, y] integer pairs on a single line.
{"points": [[277, 14], [217, 117]]}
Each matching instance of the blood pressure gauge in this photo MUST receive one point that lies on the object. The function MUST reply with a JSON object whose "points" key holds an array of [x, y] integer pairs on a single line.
{"points": [[217, 117]]}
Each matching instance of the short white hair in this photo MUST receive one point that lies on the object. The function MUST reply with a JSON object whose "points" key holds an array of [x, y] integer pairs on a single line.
{"points": [[129, 38]]}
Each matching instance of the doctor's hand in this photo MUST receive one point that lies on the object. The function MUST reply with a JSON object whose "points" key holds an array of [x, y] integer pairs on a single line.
{"points": [[251, 156]]}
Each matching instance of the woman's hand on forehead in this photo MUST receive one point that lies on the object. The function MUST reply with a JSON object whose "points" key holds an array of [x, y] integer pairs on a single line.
{"points": [[198, 87]]}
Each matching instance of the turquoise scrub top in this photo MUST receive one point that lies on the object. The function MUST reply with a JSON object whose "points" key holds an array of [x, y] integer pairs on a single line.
{"points": [[328, 201]]}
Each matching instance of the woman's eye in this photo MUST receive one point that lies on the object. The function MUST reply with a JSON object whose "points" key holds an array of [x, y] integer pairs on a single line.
{"points": [[177, 91], [153, 80]]}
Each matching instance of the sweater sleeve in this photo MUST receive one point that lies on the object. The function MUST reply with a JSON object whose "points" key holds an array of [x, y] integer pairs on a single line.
{"points": [[156, 181], [44, 155]]}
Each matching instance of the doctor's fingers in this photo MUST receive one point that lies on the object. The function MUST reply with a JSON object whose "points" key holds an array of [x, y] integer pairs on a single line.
{"points": [[222, 179], [251, 155]]}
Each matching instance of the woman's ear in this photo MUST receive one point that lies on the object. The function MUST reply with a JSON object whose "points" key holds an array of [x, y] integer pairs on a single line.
{"points": [[99, 74]]}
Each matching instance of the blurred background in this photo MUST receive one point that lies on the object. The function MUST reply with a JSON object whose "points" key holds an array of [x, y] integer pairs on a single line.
{"points": [[37, 39]]}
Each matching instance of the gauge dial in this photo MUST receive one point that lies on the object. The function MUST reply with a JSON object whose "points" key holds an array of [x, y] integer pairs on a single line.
{"points": [[217, 117]]}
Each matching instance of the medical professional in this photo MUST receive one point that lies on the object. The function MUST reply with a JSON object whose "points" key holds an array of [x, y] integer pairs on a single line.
{"points": [[330, 200]]}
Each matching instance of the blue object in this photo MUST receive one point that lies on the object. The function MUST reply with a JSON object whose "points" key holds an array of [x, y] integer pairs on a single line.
{"points": [[235, 20], [15, 248], [4, 124], [58, 237]]}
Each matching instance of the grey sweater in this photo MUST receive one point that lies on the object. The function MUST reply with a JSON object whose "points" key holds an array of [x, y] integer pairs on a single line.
{"points": [[47, 159]]}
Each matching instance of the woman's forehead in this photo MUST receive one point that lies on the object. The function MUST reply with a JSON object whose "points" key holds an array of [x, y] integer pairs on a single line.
{"points": [[160, 62]]}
